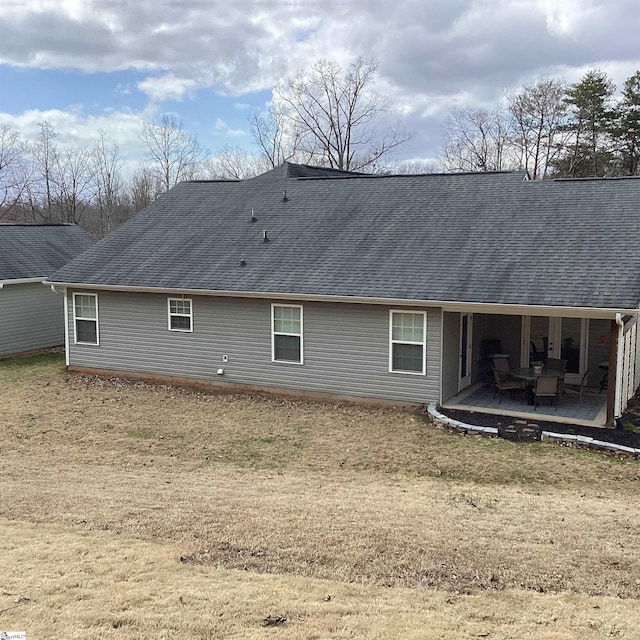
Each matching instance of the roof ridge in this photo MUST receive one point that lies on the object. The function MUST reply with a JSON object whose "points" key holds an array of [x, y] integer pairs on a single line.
{"points": [[591, 178], [38, 224]]}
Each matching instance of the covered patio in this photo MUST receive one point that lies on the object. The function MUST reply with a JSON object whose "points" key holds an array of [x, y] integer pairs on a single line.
{"points": [[588, 409], [600, 355]]}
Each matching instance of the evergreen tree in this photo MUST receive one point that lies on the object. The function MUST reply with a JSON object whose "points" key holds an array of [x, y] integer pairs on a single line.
{"points": [[626, 131], [588, 151]]}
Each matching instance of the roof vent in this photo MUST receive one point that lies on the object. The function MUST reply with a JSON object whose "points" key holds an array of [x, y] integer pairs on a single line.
{"points": [[265, 238], [284, 196], [253, 217], [243, 262]]}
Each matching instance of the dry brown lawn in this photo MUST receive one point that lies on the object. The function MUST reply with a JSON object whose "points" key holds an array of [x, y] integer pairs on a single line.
{"points": [[136, 511]]}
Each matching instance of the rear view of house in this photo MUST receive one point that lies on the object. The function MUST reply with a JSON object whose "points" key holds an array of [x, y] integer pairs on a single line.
{"points": [[397, 288], [31, 314]]}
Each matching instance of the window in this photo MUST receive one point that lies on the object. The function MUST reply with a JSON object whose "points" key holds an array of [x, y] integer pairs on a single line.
{"points": [[407, 337], [286, 333], [180, 314], [85, 318]]}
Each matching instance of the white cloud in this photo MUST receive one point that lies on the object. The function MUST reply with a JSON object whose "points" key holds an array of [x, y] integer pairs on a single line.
{"points": [[167, 87], [76, 130], [222, 128], [433, 55]]}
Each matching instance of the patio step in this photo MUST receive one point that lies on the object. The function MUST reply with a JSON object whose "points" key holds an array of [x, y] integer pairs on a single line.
{"points": [[520, 431]]}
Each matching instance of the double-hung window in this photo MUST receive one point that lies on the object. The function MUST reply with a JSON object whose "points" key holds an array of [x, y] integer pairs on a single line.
{"points": [[407, 340], [85, 318], [180, 314], [286, 333]]}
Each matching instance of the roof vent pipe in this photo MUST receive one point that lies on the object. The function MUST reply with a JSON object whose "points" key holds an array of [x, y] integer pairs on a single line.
{"points": [[265, 238], [243, 262], [284, 196], [253, 216]]}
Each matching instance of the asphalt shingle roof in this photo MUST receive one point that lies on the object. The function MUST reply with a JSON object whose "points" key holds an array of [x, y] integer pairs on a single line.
{"points": [[37, 250], [486, 238]]}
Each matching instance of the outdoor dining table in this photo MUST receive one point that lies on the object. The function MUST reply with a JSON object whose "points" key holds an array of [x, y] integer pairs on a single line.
{"points": [[529, 375]]}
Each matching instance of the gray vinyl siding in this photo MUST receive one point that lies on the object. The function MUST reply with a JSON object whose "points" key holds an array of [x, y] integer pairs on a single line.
{"points": [[31, 317], [346, 346]]}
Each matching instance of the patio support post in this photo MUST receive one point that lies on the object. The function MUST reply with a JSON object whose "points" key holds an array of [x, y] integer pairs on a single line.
{"points": [[611, 377]]}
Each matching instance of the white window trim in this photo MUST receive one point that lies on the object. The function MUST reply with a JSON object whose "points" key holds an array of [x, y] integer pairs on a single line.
{"points": [[423, 343], [75, 317], [180, 315], [281, 333]]}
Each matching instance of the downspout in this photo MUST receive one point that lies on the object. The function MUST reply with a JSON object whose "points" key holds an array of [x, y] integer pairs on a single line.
{"points": [[618, 398], [65, 305], [66, 328]]}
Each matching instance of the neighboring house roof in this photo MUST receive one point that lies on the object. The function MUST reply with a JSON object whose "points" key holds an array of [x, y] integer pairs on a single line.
{"points": [[37, 250], [494, 238]]}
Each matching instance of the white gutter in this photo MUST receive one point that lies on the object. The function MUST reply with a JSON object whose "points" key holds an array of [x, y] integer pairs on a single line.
{"points": [[617, 410], [446, 305], [21, 281]]}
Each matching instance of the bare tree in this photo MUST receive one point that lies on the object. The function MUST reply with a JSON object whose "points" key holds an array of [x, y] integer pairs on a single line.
{"points": [[538, 111], [329, 114], [172, 153], [107, 171], [39, 192], [73, 182], [144, 188], [268, 131], [14, 170], [233, 163], [478, 140], [413, 167]]}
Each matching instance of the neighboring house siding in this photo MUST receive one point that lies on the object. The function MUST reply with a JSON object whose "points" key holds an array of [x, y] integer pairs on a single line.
{"points": [[31, 317], [346, 346]]}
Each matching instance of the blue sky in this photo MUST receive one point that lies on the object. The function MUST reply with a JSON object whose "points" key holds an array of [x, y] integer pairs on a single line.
{"points": [[109, 65]]}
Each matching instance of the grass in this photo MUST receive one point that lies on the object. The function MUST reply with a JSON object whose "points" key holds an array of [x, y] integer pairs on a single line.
{"points": [[137, 511]]}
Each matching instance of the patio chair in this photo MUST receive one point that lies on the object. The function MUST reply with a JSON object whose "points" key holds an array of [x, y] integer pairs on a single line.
{"points": [[504, 384], [545, 387], [501, 365], [559, 364], [585, 381]]}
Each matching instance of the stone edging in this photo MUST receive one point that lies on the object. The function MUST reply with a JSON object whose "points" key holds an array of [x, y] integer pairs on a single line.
{"points": [[586, 441]]}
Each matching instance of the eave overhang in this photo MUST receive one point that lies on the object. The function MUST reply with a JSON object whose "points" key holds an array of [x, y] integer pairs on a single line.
{"points": [[445, 305]]}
